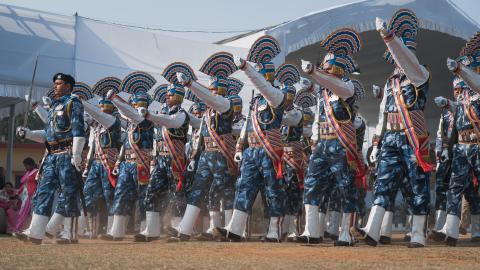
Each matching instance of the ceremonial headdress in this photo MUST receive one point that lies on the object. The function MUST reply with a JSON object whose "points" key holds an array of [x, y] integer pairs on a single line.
{"points": [[138, 83], [234, 88], [101, 89], [404, 24], [175, 88], [82, 91], [288, 75], [470, 53], [219, 66], [340, 46], [262, 52]]}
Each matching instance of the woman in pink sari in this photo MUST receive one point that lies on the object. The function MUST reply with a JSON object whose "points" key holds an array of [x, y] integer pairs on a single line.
{"points": [[10, 202], [27, 188]]}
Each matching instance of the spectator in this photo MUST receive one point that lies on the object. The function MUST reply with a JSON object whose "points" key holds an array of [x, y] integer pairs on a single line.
{"points": [[10, 202], [28, 186], [2, 177]]}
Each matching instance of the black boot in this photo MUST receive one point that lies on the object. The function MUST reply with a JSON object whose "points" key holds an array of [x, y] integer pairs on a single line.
{"points": [[227, 235], [450, 241], [437, 236], [339, 243], [205, 237], [415, 245], [309, 240], [370, 241], [385, 240], [180, 238]]}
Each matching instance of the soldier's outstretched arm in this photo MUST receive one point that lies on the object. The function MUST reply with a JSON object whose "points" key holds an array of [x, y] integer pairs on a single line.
{"points": [[273, 95], [105, 119], [217, 102], [403, 56], [467, 74], [194, 121], [341, 88], [166, 120], [125, 110]]}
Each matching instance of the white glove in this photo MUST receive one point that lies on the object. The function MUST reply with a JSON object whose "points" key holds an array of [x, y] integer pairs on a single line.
{"points": [[183, 79], [47, 101], [452, 65], [441, 102], [444, 155], [381, 26], [33, 102], [77, 161], [239, 62], [191, 166], [374, 154], [77, 148], [306, 84], [307, 66], [142, 111], [85, 174], [22, 131], [238, 157], [376, 90], [110, 94]]}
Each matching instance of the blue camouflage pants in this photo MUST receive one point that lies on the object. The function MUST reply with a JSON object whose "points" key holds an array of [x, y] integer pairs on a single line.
{"points": [[58, 172], [257, 172], [97, 186], [328, 168], [465, 162], [211, 179], [293, 190], [442, 179], [397, 161], [142, 206], [330, 200], [126, 189], [161, 191], [403, 185]]}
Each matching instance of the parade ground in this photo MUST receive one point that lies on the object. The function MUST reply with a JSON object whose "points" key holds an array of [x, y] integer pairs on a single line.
{"points": [[97, 254]]}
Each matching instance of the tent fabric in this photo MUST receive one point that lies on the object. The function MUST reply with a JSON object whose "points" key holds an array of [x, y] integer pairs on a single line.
{"points": [[88, 49], [436, 15], [443, 31]]}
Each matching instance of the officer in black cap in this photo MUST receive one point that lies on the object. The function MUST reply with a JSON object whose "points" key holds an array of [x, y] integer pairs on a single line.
{"points": [[64, 135]]}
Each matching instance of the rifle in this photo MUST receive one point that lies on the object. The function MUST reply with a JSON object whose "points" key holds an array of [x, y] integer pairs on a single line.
{"points": [[197, 142], [243, 138]]}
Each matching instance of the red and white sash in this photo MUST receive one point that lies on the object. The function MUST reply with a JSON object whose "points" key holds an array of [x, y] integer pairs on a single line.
{"points": [[415, 125], [176, 148], [348, 139], [272, 143], [226, 144], [108, 159]]}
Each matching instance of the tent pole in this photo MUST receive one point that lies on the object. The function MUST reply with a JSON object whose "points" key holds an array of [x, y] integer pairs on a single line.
{"points": [[11, 134]]}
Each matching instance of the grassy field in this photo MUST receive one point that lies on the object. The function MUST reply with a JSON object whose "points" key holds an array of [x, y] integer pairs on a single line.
{"points": [[97, 254]]}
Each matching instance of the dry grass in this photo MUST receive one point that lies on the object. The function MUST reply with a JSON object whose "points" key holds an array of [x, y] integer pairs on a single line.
{"points": [[97, 254]]}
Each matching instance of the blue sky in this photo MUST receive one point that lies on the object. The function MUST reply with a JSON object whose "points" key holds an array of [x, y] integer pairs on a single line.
{"points": [[206, 15]]}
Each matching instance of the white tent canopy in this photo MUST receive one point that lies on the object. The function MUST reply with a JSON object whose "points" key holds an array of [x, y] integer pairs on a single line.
{"points": [[444, 29], [87, 49]]}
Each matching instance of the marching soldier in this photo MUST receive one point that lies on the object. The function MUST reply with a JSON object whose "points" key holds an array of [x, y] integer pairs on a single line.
{"points": [[64, 136]]}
